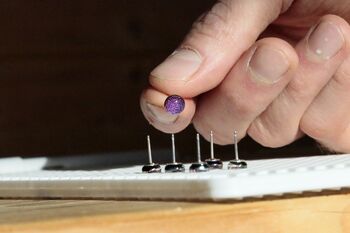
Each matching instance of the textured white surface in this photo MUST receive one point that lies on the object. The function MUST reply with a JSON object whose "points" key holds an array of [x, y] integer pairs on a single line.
{"points": [[262, 177]]}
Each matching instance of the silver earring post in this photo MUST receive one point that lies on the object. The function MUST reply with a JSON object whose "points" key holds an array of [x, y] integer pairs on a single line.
{"points": [[213, 162], [174, 166], [199, 166], [236, 163], [150, 167]]}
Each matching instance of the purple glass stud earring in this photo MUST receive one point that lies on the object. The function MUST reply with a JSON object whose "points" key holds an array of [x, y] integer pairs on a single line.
{"points": [[174, 104]]}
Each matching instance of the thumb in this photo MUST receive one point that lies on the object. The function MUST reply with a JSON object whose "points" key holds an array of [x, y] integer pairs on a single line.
{"points": [[214, 44]]}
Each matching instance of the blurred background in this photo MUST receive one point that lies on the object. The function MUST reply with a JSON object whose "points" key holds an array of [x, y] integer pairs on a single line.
{"points": [[71, 73]]}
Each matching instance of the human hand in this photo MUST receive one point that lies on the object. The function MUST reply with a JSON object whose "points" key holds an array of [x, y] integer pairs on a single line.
{"points": [[272, 69]]}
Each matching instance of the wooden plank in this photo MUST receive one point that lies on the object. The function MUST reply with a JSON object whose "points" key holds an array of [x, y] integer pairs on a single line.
{"points": [[322, 214]]}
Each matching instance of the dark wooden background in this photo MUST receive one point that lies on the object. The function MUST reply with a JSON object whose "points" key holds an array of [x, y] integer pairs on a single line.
{"points": [[71, 72]]}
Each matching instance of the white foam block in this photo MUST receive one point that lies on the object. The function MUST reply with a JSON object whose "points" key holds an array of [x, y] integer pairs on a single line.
{"points": [[262, 177]]}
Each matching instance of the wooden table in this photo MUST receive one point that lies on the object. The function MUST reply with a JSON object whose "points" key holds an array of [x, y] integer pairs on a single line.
{"points": [[327, 213]]}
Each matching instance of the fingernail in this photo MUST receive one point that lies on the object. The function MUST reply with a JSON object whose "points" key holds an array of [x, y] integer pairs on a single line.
{"points": [[180, 65], [325, 40], [268, 65], [159, 114]]}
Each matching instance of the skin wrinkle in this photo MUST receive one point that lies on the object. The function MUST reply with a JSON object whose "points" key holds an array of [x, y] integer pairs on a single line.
{"points": [[285, 4], [234, 103], [343, 73], [222, 10], [341, 81], [183, 79], [214, 33], [296, 90], [301, 85], [304, 8], [213, 30], [154, 116], [260, 132], [300, 93], [316, 127], [217, 25], [338, 83], [306, 11], [267, 135], [324, 130], [214, 24]]}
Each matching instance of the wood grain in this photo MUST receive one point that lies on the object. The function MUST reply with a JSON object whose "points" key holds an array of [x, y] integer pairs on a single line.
{"points": [[322, 214]]}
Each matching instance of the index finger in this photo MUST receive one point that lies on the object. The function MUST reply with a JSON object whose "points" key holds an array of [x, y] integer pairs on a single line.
{"points": [[213, 46]]}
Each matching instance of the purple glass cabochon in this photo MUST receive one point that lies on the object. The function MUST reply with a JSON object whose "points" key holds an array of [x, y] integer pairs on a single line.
{"points": [[174, 104]]}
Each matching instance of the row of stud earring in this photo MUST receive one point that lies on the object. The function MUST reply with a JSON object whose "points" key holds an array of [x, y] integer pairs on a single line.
{"points": [[199, 165]]}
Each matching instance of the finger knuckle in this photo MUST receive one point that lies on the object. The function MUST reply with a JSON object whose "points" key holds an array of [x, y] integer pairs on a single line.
{"points": [[266, 135], [297, 88], [341, 80], [239, 105], [316, 127], [214, 23]]}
